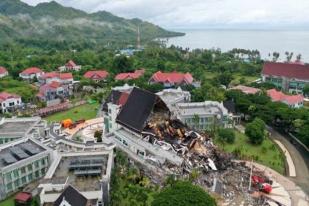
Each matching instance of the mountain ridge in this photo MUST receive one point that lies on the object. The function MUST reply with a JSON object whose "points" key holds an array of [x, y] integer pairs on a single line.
{"points": [[51, 20]]}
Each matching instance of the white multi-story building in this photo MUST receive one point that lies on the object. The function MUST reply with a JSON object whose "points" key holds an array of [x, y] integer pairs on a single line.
{"points": [[16, 128], [9, 102], [173, 96], [203, 115], [22, 162]]}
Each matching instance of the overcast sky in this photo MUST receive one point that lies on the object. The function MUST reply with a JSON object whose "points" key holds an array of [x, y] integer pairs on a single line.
{"points": [[203, 13]]}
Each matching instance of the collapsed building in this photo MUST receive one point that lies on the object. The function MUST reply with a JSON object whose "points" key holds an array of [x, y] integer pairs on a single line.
{"points": [[143, 126]]}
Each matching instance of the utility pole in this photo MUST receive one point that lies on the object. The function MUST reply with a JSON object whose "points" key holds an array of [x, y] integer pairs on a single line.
{"points": [[250, 175]]}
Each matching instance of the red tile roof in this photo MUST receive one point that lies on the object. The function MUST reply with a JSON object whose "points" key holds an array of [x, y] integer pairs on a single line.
{"points": [[70, 63], [277, 96], [173, 77], [96, 75], [246, 90], [23, 197], [290, 70], [31, 70], [123, 98], [130, 75], [47, 87], [4, 96], [3, 70], [57, 75]]}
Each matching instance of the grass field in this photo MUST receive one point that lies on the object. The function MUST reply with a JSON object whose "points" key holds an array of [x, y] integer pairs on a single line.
{"points": [[237, 77], [86, 111], [8, 202], [267, 153]]}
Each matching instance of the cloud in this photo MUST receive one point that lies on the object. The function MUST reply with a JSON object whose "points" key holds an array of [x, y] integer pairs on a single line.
{"points": [[201, 13]]}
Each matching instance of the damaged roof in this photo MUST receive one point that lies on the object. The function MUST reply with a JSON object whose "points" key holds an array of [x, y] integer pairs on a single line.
{"points": [[137, 109], [112, 98], [72, 196]]}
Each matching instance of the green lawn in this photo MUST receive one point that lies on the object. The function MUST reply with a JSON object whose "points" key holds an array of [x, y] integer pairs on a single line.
{"points": [[8, 202], [267, 153], [86, 111], [237, 77]]}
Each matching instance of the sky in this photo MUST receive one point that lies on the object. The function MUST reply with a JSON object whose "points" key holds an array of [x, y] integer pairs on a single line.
{"points": [[202, 14]]}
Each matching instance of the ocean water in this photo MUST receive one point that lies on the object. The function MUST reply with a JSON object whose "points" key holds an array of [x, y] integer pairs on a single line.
{"points": [[266, 41]]}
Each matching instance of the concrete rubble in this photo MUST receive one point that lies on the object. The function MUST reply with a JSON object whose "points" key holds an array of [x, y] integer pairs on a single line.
{"points": [[218, 172]]}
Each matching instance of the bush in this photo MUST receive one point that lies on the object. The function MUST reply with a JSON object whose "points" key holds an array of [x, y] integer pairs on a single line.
{"points": [[227, 135], [183, 193], [256, 131]]}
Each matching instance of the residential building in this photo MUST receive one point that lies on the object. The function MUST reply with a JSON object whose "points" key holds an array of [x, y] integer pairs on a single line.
{"points": [[97, 76], [289, 77], [171, 79], [63, 78], [31, 73], [22, 162], [70, 66], [246, 90], [203, 115], [9, 102], [293, 101], [52, 91], [12, 129], [130, 75], [173, 96], [3, 72], [78, 175]]}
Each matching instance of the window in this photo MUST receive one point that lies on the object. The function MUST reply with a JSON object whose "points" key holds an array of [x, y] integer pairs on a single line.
{"points": [[30, 177], [36, 164], [23, 170], [43, 161], [23, 180], [8, 177], [9, 187], [37, 174], [16, 173], [30, 167]]}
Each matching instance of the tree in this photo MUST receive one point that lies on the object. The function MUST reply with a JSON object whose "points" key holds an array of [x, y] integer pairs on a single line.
{"points": [[226, 135], [256, 131], [306, 90], [183, 193], [98, 135], [225, 78], [122, 64]]}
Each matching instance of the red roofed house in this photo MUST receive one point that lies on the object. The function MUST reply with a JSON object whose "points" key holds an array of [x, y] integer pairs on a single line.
{"points": [[293, 101], [290, 77], [3, 72], [171, 79], [246, 90], [31, 73], [99, 75], [63, 78], [130, 75], [8, 102], [52, 91], [70, 66]]}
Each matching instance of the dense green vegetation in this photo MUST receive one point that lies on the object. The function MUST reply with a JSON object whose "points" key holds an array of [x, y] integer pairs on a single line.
{"points": [[183, 193], [23, 89], [267, 153], [86, 111], [255, 130], [226, 135], [53, 24], [275, 114]]}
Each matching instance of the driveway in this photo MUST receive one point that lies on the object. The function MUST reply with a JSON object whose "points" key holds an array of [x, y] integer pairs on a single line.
{"points": [[302, 172]]}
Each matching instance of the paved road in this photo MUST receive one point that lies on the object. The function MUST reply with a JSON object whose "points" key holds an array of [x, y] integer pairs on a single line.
{"points": [[302, 171]]}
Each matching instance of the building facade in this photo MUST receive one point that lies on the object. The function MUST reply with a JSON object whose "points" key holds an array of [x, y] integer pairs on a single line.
{"points": [[203, 115], [9, 102], [3, 72], [31, 73], [22, 162], [173, 96], [288, 77]]}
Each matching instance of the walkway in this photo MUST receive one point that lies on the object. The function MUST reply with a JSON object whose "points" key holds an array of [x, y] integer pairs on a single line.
{"points": [[292, 170], [302, 172]]}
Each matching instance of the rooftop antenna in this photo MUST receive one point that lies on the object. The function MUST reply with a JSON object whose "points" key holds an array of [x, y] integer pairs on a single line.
{"points": [[138, 46]]}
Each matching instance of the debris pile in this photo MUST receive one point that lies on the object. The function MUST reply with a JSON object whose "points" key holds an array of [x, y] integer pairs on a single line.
{"points": [[235, 182]]}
